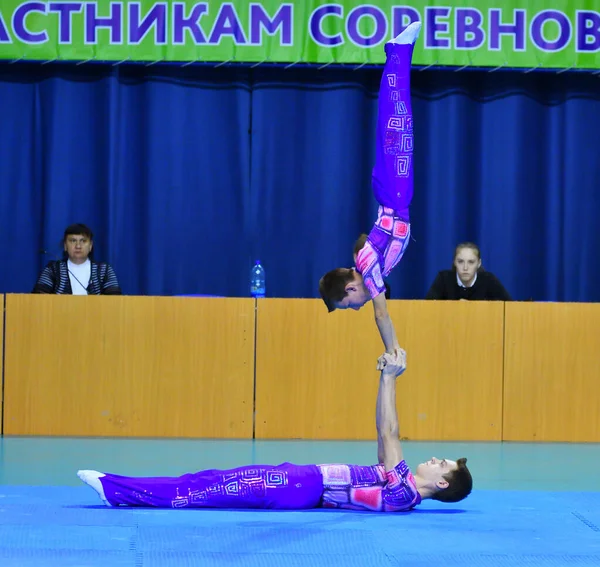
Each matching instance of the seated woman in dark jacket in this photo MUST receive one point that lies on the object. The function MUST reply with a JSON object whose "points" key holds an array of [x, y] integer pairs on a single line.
{"points": [[77, 274], [467, 279]]}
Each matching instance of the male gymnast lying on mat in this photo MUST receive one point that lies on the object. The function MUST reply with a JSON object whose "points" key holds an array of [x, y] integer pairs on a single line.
{"points": [[381, 250], [386, 487]]}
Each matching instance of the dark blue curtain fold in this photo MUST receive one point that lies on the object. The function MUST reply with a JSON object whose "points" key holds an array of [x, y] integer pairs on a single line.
{"points": [[312, 149], [187, 175]]}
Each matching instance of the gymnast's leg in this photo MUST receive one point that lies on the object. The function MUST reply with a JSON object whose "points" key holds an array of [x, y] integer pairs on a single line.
{"points": [[284, 486], [393, 171]]}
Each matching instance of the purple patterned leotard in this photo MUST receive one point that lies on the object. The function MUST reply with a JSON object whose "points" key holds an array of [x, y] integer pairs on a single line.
{"points": [[281, 487], [369, 488], [392, 173]]}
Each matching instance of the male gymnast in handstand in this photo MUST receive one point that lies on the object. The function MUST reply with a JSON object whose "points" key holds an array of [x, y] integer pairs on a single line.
{"points": [[388, 486], [382, 249]]}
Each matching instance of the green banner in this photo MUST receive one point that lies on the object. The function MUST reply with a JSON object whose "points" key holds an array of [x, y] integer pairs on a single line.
{"points": [[530, 34]]}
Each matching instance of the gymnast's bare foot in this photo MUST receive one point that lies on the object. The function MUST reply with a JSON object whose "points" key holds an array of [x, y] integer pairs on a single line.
{"points": [[92, 478], [409, 35]]}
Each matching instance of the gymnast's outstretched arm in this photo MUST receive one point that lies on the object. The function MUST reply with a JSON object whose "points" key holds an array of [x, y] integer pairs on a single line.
{"points": [[388, 443], [385, 324]]}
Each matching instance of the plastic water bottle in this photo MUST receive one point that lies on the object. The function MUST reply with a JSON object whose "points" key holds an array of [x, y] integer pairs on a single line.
{"points": [[257, 280]]}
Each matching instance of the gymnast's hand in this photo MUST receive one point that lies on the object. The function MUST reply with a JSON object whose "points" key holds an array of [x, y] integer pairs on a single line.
{"points": [[382, 361], [395, 363]]}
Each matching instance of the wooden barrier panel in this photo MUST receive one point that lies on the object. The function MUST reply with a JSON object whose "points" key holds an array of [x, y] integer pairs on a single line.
{"points": [[551, 379], [129, 366], [316, 377]]}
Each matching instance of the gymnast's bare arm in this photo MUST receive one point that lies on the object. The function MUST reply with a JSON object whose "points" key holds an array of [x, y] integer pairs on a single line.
{"points": [[385, 324], [388, 443]]}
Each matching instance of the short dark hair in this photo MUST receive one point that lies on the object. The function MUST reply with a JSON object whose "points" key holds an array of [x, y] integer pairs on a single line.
{"points": [[77, 229], [332, 286], [460, 484], [360, 243], [388, 290]]}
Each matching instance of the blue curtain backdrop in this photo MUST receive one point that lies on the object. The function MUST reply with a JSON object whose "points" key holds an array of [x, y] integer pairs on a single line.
{"points": [[187, 175]]}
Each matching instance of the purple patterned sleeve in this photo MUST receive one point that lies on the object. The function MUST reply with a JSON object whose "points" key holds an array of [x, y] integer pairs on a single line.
{"points": [[400, 493], [368, 264], [383, 250]]}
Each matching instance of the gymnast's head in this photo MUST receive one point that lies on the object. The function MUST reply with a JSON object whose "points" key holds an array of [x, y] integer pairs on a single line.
{"points": [[467, 262], [343, 288], [444, 480]]}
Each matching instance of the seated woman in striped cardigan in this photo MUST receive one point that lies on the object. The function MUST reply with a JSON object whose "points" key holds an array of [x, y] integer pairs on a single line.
{"points": [[77, 274]]}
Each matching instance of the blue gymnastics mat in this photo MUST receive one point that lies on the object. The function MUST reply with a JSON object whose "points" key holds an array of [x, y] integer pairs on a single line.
{"points": [[523, 510], [66, 526]]}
